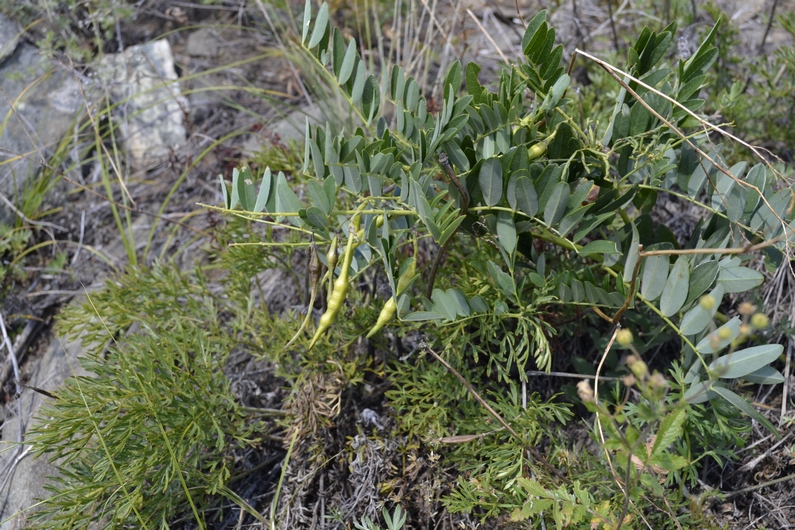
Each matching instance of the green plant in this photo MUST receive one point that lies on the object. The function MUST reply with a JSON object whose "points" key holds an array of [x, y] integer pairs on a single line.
{"points": [[393, 522], [560, 225], [149, 436]]}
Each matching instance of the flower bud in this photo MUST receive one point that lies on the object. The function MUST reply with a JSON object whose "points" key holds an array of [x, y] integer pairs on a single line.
{"points": [[624, 337], [724, 333], [657, 380], [637, 367], [707, 302], [746, 309], [585, 391], [760, 321], [629, 380]]}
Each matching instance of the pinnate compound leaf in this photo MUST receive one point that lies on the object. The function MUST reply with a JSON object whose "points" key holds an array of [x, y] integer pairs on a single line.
{"points": [[743, 362], [675, 292]]}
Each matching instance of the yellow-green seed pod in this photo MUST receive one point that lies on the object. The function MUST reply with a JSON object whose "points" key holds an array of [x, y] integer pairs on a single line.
{"points": [[537, 150], [335, 301], [390, 308]]}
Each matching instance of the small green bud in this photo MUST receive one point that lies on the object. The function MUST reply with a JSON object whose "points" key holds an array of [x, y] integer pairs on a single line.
{"points": [[760, 321], [707, 302], [724, 333], [624, 337], [640, 369]]}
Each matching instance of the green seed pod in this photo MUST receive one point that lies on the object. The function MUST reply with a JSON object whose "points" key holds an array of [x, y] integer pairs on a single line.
{"points": [[390, 308], [537, 150]]}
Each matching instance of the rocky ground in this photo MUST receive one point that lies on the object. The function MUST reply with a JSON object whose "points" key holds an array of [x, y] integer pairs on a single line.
{"points": [[203, 88]]}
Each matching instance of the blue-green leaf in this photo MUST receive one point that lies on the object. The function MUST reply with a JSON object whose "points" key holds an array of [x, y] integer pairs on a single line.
{"points": [[287, 200], [265, 190], [767, 375], [348, 62], [506, 231], [490, 180], [306, 21], [321, 26], [743, 405], [556, 205], [739, 279], [697, 318], [525, 197], [632, 255], [316, 217], [225, 191], [713, 343], [602, 246], [744, 362], [358, 83], [422, 316], [675, 292], [701, 279]]}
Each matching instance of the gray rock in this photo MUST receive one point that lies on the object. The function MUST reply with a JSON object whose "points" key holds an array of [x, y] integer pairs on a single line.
{"points": [[149, 109], [46, 98], [9, 37], [26, 482], [204, 42], [291, 127]]}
